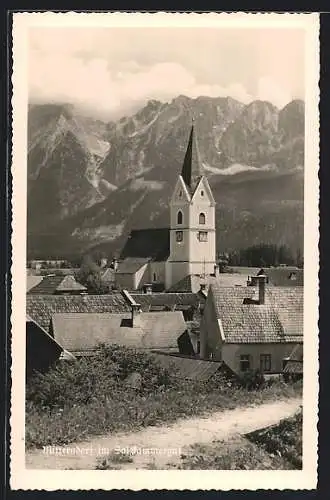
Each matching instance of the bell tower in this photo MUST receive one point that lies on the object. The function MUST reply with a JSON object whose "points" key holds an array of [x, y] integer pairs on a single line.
{"points": [[192, 221]]}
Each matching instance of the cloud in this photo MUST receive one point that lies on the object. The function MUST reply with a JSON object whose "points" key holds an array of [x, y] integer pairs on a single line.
{"points": [[115, 76], [270, 90]]}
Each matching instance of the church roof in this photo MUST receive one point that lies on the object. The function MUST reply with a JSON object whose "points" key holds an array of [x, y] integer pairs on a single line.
{"points": [[151, 243], [191, 168]]}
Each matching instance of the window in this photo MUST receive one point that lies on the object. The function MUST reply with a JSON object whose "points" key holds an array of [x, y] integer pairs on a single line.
{"points": [[202, 218], [245, 362], [179, 236], [265, 362], [202, 236], [180, 217], [180, 193], [202, 193], [154, 277]]}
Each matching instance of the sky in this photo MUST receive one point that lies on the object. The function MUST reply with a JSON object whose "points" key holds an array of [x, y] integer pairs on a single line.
{"points": [[112, 72]]}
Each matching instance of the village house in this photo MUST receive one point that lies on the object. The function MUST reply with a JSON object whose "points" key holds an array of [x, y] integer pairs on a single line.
{"points": [[80, 323], [83, 333], [252, 329]]}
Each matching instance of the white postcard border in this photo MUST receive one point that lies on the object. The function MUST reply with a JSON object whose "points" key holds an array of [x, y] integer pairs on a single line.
{"points": [[22, 478]]}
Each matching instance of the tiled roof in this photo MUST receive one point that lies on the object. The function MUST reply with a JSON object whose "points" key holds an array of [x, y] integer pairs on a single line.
{"points": [[280, 319], [295, 362], [148, 243], [131, 265], [192, 282], [47, 286], [79, 332], [289, 305], [69, 284], [294, 366], [188, 368], [169, 300], [42, 307]]}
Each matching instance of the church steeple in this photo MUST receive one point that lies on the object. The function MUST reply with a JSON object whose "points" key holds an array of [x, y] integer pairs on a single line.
{"points": [[192, 221], [191, 169]]}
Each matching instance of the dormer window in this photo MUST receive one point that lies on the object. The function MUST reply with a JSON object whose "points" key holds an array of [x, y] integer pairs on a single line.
{"points": [[202, 218], [180, 217]]}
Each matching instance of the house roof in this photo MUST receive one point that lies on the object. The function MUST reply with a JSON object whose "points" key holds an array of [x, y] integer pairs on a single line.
{"points": [[42, 307], [295, 362], [294, 366], [131, 265], [32, 281], [280, 319], [192, 282], [297, 353], [80, 332], [285, 276], [40, 330], [153, 244], [188, 368], [69, 284], [48, 285], [167, 300]]}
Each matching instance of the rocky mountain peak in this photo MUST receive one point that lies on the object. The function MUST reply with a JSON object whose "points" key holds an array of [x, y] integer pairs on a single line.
{"points": [[99, 179]]}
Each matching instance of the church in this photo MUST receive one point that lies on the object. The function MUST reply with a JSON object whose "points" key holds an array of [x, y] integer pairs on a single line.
{"points": [[159, 259]]}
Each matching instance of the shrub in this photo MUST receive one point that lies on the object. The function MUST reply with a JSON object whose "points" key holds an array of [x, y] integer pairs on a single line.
{"points": [[284, 439], [74, 400], [253, 379], [69, 383]]}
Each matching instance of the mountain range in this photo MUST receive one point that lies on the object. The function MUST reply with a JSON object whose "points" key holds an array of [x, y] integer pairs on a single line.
{"points": [[91, 182]]}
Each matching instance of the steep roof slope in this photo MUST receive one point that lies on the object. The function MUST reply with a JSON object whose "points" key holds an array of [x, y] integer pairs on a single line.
{"points": [[81, 332], [280, 319], [42, 307]]}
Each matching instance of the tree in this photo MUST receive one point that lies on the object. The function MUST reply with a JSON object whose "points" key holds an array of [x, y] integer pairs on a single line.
{"points": [[262, 255], [89, 275]]}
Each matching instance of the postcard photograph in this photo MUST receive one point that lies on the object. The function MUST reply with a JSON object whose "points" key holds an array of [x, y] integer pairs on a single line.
{"points": [[165, 251]]}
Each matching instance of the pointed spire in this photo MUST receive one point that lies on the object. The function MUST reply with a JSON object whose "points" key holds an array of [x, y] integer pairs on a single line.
{"points": [[191, 170]]}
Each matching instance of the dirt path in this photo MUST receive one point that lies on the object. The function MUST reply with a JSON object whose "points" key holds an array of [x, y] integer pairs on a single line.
{"points": [[161, 445]]}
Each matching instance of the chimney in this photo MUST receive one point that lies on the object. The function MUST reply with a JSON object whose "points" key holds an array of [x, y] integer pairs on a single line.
{"points": [[135, 307], [135, 314], [261, 288]]}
